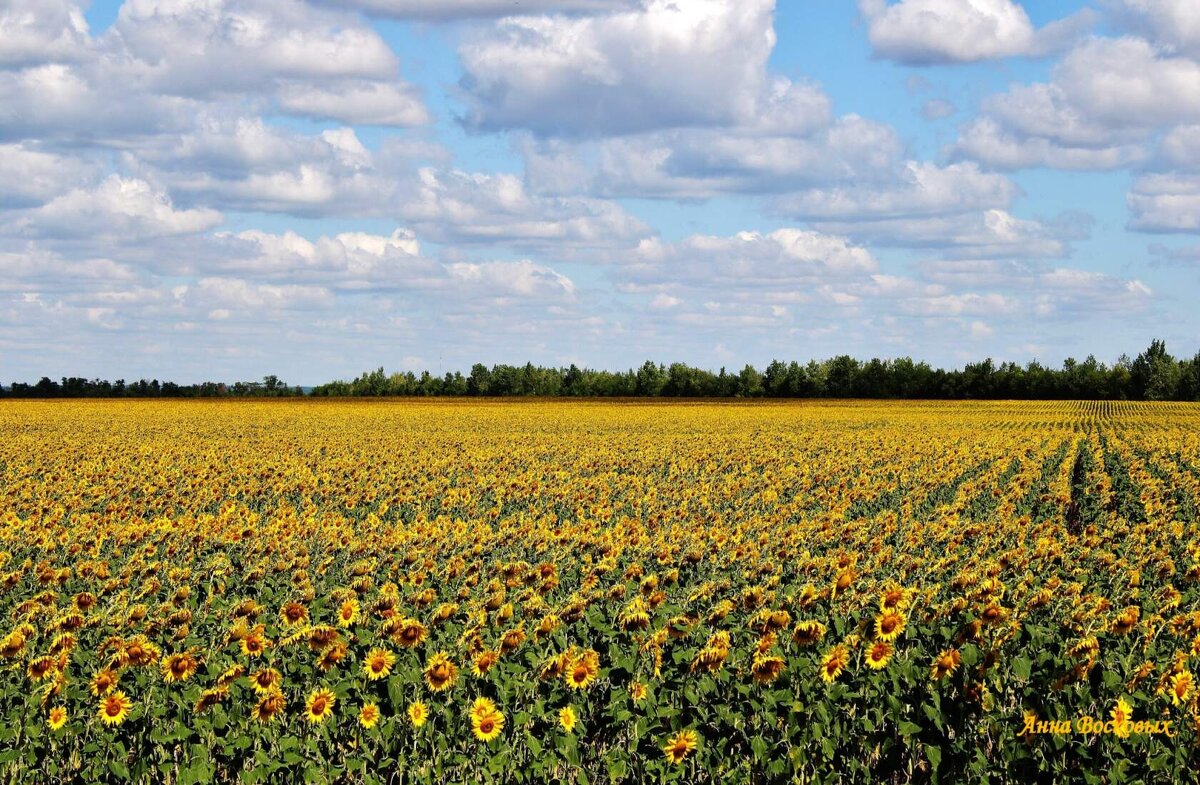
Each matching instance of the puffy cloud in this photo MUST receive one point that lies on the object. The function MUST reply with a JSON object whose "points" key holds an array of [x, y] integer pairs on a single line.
{"points": [[467, 9], [201, 47], [523, 278], [1165, 203], [117, 209], [923, 32], [988, 234], [699, 163], [358, 102], [787, 259], [664, 65], [463, 207], [1106, 99], [985, 140], [919, 189], [41, 31], [32, 176], [1172, 23]]}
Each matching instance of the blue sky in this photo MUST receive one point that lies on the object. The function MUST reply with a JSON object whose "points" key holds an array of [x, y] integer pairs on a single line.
{"points": [[221, 189]]}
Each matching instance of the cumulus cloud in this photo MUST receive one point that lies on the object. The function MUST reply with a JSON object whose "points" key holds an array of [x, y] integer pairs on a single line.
{"points": [[663, 65], [1105, 100], [1174, 24], [116, 209], [987, 234], [440, 10], [41, 31], [465, 207], [919, 189], [925, 32], [1165, 203]]}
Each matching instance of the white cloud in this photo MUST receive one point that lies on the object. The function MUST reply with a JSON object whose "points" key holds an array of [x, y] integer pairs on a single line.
{"points": [[1105, 100], [700, 163], [33, 176], [467, 9], [667, 64], [39, 31], [1171, 23], [523, 278], [923, 32], [1165, 203], [464, 207], [118, 208], [987, 234], [918, 189], [357, 102]]}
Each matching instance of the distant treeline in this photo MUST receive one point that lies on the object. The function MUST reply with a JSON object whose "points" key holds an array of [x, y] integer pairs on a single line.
{"points": [[79, 387], [1153, 375]]}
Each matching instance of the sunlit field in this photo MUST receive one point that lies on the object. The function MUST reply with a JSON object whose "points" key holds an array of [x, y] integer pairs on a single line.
{"points": [[592, 592]]}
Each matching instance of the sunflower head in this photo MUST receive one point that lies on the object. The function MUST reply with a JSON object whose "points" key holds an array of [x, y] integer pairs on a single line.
{"points": [[879, 654], [680, 746], [56, 718], [440, 672], [567, 718], [319, 706], [114, 708], [378, 664], [368, 716], [418, 713], [486, 726], [834, 662], [270, 705]]}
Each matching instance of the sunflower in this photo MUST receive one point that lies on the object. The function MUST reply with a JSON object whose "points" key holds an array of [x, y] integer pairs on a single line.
{"points": [[889, 625], [484, 662], [269, 706], [945, 664], [319, 705], [487, 726], [894, 598], [210, 698], [347, 613], [878, 655], [179, 667], [583, 671], [410, 634], [418, 713], [57, 718], [378, 664], [1121, 715], [834, 662], [293, 614], [807, 633], [1181, 687], [637, 691], [766, 669], [265, 680], [440, 672], [231, 674], [680, 746], [333, 655], [567, 718], [482, 707], [368, 716], [255, 643], [114, 708], [42, 668]]}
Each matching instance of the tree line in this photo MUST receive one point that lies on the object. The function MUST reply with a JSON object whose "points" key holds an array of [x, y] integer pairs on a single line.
{"points": [[1153, 375]]}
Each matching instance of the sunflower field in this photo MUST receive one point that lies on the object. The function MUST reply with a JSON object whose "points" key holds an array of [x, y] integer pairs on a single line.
{"points": [[432, 591]]}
